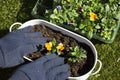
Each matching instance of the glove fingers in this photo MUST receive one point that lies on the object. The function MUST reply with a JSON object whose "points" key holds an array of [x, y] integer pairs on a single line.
{"points": [[46, 58], [57, 70], [15, 57], [17, 42], [26, 35], [28, 48], [26, 29], [62, 76], [32, 35], [54, 62], [41, 41]]}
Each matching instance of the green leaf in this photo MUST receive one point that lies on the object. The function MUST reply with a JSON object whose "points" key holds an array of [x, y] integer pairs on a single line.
{"points": [[73, 53], [55, 11], [53, 49], [103, 19], [53, 16], [76, 49], [58, 52], [81, 26], [90, 34], [83, 31], [97, 26], [83, 56], [54, 42], [71, 48], [118, 16], [107, 7]]}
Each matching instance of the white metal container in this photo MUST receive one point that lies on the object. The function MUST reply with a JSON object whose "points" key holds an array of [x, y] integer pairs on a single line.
{"points": [[68, 33]]}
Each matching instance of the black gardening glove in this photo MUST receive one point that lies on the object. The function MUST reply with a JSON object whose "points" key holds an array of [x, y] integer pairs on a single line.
{"points": [[17, 44], [50, 67]]}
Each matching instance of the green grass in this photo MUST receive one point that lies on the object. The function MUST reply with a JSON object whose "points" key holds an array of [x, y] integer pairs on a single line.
{"points": [[19, 11]]}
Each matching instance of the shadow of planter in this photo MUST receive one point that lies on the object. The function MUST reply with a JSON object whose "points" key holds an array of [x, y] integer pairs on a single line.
{"points": [[3, 32]]}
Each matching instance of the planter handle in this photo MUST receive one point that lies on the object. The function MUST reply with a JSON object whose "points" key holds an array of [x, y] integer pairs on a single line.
{"points": [[17, 23], [100, 66], [10, 30]]}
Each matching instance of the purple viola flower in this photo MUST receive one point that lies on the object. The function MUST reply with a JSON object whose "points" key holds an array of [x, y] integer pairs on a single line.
{"points": [[80, 9], [59, 7], [69, 22]]}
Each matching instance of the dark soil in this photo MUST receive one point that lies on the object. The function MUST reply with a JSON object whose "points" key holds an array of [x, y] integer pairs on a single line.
{"points": [[78, 68]]}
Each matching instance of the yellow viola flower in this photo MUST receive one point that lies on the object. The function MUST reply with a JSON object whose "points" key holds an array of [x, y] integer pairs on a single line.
{"points": [[60, 47], [48, 46], [93, 16]]}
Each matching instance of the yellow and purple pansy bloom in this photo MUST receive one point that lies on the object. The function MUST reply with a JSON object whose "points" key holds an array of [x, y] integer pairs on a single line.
{"points": [[48, 46], [93, 16], [60, 47]]}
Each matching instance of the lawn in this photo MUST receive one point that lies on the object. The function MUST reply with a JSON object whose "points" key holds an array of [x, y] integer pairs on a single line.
{"points": [[19, 11]]}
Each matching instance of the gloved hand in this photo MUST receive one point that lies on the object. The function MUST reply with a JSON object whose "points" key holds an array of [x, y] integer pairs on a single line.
{"points": [[50, 67], [17, 44]]}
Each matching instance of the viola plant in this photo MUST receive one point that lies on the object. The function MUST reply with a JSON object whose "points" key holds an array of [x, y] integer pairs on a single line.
{"points": [[77, 54], [86, 17], [52, 47], [60, 48]]}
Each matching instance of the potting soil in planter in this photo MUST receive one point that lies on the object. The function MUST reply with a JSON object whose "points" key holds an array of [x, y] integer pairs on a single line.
{"points": [[76, 68]]}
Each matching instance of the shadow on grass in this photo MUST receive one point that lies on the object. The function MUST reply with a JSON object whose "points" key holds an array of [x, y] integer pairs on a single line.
{"points": [[3, 33], [6, 73], [24, 13], [95, 41]]}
